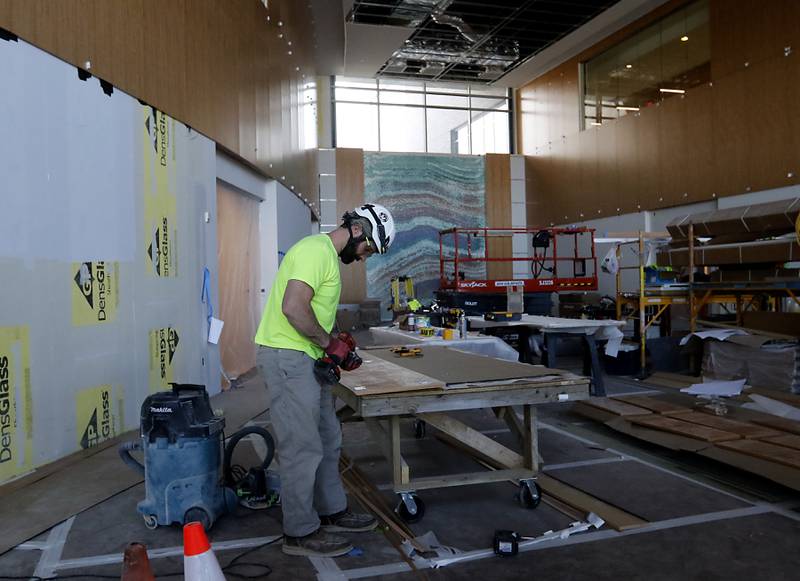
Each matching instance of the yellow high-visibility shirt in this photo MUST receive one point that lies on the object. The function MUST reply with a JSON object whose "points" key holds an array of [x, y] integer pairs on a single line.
{"points": [[313, 261]]}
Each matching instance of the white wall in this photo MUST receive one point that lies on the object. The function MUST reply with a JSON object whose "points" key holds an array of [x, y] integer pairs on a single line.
{"points": [[88, 178]]}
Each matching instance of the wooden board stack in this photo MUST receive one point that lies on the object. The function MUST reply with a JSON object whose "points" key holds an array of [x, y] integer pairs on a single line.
{"points": [[759, 443]]}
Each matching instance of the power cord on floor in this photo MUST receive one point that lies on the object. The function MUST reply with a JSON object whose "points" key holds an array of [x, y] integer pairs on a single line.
{"points": [[265, 569]]}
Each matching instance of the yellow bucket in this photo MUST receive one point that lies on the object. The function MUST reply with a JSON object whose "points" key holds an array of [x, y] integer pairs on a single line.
{"points": [[449, 334]]}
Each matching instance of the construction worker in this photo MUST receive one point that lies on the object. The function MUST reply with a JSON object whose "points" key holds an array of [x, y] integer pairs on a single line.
{"points": [[299, 359]]}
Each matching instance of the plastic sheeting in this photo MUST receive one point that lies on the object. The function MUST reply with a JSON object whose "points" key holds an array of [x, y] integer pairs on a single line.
{"points": [[771, 366], [482, 345]]}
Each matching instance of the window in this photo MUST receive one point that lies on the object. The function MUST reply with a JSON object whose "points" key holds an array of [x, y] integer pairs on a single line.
{"points": [[661, 61], [398, 115]]}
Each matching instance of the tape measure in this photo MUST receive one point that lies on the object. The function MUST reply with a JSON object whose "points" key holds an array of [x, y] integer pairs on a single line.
{"points": [[506, 543], [406, 351]]}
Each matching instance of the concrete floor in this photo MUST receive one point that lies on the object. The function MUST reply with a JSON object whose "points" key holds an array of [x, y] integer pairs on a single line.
{"points": [[707, 521]]}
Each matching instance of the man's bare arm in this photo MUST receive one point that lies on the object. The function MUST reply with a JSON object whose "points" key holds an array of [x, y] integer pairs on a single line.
{"points": [[296, 307]]}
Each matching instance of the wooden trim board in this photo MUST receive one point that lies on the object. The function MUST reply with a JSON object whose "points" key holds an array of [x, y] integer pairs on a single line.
{"points": [[766, 451], [788, 440], [658, 406], [743, 429], [687, 429], [616, 407]]}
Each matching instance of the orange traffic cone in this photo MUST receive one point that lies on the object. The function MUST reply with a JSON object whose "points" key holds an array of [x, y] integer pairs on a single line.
{"points": [[199, 562], [135, 564]]}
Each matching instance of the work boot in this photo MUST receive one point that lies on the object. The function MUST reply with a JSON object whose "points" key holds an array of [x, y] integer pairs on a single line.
{"points": [[317, 544], [348, 522]]}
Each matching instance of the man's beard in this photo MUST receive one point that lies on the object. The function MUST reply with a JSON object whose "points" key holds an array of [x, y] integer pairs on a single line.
{"points": [[348, 253]]}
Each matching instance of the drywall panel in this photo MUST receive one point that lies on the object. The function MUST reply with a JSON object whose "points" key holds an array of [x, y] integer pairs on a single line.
{"points": [[107, 225]]}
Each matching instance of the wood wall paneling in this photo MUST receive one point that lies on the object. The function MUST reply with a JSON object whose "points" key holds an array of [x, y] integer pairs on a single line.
{"points": [[498, 212], [535, 214], [729, 123], [216, 66], [673, 151], [586, 204], [570, 99], [740, 133], [627, 169], [567, 176], [769, 28], [248, 79], [793, 120], [607, 176], [648, 127], [121, 31], [556, 103], [728, 33], [349, 194], [768, 135], [699, 132]]}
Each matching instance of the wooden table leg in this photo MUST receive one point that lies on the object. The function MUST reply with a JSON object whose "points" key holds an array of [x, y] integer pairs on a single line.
{"points": [[390, 443], [400, 470], [530, 446]]}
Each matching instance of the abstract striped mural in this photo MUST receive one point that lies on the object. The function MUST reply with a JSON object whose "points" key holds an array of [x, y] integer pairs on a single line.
{"points": [[426, 194]]}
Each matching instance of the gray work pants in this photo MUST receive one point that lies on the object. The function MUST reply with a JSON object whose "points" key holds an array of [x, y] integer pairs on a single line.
{"points": [[308, 439]]}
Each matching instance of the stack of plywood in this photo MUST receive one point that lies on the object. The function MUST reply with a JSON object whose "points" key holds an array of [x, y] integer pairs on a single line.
{"points": [[759, 443]]}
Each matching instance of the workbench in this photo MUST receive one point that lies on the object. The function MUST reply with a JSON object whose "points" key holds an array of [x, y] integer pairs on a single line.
{"points": [[555, 328], [387, 388]]}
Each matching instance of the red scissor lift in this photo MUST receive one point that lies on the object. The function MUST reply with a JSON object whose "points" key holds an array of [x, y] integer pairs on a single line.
{"points": [[549, 271]]}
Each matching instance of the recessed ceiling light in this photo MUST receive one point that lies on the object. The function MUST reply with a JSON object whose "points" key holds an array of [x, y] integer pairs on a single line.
{"points": [[628, 66], [684, 38]]}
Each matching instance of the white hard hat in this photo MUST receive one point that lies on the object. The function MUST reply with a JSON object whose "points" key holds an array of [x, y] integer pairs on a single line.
{"points": [[382, 225]]}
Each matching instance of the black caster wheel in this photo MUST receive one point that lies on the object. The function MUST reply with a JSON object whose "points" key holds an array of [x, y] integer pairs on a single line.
{"points": [[150, 521], [197, 515], [528, 499], [402, 510], [419, 429]]}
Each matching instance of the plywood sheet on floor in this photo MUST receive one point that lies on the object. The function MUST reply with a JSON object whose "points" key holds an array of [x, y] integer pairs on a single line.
{"points": [[646, 492]]}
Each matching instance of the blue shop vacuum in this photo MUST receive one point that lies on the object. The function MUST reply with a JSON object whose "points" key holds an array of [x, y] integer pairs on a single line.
{"points": [[187, 477]]}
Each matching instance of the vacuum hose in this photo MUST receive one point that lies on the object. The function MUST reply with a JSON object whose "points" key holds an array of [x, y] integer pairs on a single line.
{"points": [[125, 450], [227, 469]]}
